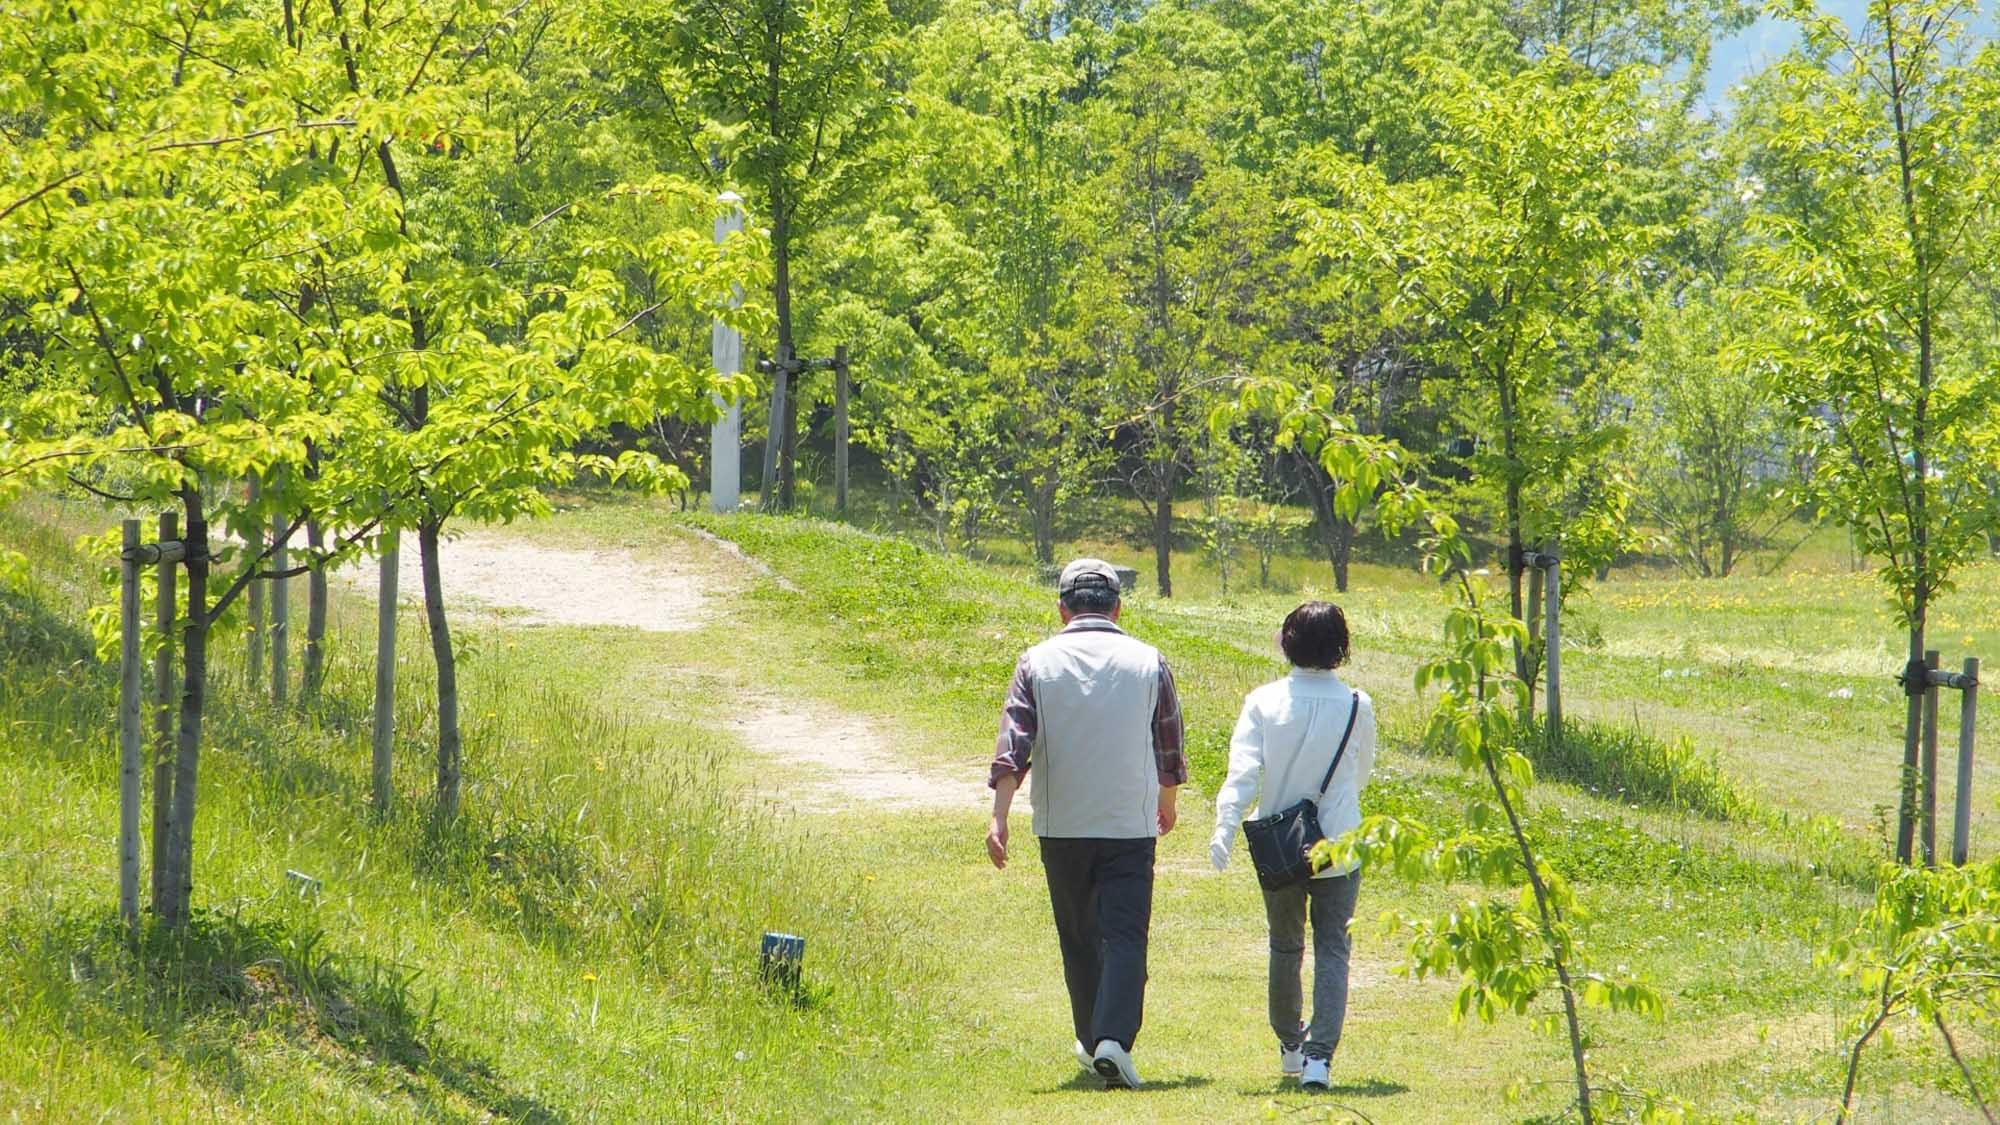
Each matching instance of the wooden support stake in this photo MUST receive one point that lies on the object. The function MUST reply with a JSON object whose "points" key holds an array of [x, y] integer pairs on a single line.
{"points": [[281, 611], [253, 643], [165, 702], [788, 450], [1968, 713], [767, 485], [383, 738], [1552, 647], [840, 429], [1927, 768], [130, 735]]}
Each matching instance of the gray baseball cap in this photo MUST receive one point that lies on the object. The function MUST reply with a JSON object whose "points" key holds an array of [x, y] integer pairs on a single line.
{"points": [[1085, 573]]}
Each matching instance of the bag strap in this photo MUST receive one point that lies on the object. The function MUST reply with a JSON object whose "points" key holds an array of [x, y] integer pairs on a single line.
{"points": [[1353, 713]]}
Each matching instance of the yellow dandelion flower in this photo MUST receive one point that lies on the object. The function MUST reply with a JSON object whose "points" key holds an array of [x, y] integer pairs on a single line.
{"points": [[590, 978]]}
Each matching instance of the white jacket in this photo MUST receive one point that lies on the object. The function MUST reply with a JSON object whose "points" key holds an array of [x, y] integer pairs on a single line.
{"points": [[1284, 741]]}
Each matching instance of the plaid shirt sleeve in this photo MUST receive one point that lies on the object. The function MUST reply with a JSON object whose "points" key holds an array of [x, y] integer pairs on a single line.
{"points": [[1169, 754], [1019, 723]]}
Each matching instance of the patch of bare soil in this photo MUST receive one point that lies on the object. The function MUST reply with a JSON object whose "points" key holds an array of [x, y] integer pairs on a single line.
{"points": [[565, 586], [842, 761], [834, 761]]}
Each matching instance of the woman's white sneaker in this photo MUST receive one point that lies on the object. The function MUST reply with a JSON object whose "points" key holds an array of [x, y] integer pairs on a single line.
{"points": [[1083, 1058], [1291, 1060], [1317, 1075]]}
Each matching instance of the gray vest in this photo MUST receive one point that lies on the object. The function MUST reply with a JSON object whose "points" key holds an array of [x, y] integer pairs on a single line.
{"points": [[1094, 772]]}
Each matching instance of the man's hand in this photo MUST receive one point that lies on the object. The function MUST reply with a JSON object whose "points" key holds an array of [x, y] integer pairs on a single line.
{"points": [[996, 830], [1168, 815]]}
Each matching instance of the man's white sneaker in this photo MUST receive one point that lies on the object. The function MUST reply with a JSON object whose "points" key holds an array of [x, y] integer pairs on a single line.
{"points": [[1115, 1064], [1291, 1060], [1083, 1058], [1317, 1075]]}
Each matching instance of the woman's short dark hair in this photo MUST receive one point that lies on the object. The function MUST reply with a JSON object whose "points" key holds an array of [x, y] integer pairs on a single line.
{"points": [[1315, 636]]}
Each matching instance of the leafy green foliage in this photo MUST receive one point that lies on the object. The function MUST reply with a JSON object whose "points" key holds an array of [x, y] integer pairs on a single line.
{"points": [[1876, 194], [1507, 955], [1927, 949]]}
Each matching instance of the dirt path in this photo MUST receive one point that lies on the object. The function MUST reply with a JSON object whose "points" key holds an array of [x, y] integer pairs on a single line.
{"points": [[830, 761], [538, 585]]}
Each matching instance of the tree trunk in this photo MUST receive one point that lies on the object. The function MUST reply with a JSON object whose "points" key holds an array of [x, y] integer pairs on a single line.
{"points": [[1042, 514], [1336, 535], [781, 279], [1163, 539], [1341, 551], [1919, 520], [314, 670], [177, 882], [449, 753], [1524, 665]]}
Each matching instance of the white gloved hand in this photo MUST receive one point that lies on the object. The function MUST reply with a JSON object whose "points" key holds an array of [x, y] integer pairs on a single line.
{"points": [[1218, 851]]}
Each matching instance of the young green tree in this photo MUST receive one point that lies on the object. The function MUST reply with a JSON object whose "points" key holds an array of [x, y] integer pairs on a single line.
{"points": [[788, 97], [1709, 437], [955, 287], [1508, 953], [521, 270], [205, 221], [158, 216], [1880, 152], [1182, 244], [1504, 259]]}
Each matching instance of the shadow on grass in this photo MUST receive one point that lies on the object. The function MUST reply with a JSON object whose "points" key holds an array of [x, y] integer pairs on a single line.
{"points": [[1357, 1088], [1082, 1082], [229, 983]]}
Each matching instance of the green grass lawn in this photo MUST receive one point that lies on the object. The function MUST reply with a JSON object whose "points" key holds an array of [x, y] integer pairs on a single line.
{"points": [[583, 947]]}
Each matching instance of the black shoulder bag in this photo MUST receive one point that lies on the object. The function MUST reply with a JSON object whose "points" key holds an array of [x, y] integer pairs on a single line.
{"points": [[1281, 844]]}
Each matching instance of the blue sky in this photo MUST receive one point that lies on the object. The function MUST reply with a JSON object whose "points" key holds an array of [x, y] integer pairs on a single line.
{"points": [[1751, 49]]}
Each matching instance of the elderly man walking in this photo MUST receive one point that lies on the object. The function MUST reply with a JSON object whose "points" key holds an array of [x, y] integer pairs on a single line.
{"points": [[1093, 712]]}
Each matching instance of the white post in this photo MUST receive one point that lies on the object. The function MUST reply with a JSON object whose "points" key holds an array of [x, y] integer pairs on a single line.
{"points": [[725, 456]]}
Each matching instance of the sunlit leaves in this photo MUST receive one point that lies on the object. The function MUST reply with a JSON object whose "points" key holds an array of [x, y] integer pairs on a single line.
{"points": [[1507, 954], [1874, 211]]}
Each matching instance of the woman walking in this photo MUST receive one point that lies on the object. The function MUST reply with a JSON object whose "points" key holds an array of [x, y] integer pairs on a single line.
{"points": [[1289, 733]]}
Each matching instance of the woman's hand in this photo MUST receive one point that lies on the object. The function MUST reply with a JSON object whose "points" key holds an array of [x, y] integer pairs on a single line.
{"points": [[1218, 850]]}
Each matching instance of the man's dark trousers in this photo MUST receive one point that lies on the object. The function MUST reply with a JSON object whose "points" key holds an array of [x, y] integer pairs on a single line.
{"points": [[1102, 891]]}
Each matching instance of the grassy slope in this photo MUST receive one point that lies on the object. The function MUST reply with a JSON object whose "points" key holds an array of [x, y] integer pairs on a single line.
{"points": [[582, 949], [942, 995]]}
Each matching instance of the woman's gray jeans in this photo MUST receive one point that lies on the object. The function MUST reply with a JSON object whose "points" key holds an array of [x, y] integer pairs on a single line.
{"points": [[1331, 906]]}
